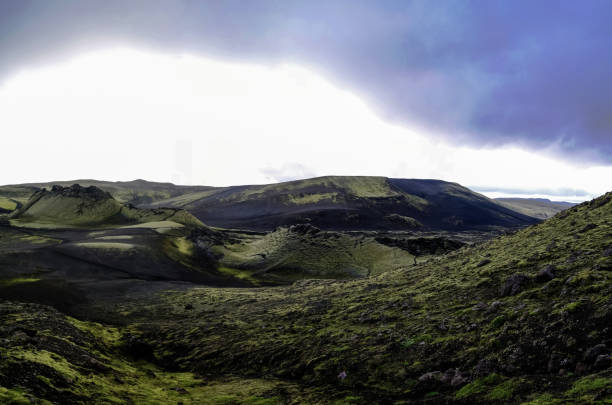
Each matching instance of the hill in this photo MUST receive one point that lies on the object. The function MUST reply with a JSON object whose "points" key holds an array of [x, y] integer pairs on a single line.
{"points": [[344, 203], [134, 192], [329, 203], [305, 252], [521, 319], [87, 206], [541, 208]]}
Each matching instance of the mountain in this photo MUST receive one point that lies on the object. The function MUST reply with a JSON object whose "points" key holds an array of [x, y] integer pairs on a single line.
{"points": [[520, 319], [344, 203], [329, 203], [541, 208]]}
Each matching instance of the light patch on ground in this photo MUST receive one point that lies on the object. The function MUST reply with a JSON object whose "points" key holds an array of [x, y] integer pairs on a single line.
{"points": [[7, 204], [159, 226], [311, 198], [116, 237], [18, 280], [106, 245]]}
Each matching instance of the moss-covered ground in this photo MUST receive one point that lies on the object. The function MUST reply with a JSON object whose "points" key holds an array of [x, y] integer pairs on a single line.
{"points": [[525, 318]]}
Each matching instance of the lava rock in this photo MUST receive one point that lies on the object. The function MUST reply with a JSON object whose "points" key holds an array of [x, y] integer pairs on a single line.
{"points": [[431, 376], [546, 274], [484, 368], [587, 228], [139, 349], [602, 362], [594, 352], [514, 284]]}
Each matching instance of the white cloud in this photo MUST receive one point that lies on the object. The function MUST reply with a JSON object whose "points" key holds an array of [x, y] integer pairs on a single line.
{"points": [[118, 114]]}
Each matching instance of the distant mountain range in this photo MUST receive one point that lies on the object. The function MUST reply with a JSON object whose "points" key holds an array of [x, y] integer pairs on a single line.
{"points": [[331, 202], [541, 208]]}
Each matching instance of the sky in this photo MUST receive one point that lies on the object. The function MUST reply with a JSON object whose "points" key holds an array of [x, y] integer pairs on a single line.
{"points": [[508, 98]]}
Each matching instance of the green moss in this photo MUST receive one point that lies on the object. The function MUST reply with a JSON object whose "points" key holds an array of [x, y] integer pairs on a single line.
{"points": [[14, 397], [503, 391], [498, 321], [572, 307], [589, 384], [544, 399], [479, 386], [348, 400], [302, 199], [18, 280], [7, 204]]}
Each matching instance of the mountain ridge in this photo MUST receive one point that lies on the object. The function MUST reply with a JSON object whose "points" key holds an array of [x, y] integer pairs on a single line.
{"points": [[327, 202]]}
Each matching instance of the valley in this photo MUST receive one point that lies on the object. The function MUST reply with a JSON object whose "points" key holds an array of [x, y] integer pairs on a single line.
{"points": [[333, 290]]}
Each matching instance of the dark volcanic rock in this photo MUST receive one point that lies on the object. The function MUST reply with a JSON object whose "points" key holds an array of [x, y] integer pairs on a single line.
{"points": [[602, 362], [587, 228], [546, 274], [77, 191], [304, 229], [483, 263], [484, 368], [594, 352], [514, 284]]}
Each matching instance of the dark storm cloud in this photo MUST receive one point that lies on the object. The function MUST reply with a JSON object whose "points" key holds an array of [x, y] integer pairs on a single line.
{"points": [[532, 73]]}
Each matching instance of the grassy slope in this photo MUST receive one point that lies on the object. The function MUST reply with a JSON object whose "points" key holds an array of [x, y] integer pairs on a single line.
{"points": [[389, 331], [534, 207], [305, 252], [81, 208]]}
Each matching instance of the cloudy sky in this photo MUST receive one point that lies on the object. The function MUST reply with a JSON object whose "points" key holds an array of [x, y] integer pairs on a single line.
{"points": [[509, 98]]}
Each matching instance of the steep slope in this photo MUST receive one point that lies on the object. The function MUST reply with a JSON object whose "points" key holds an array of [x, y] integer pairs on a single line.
{"points": [[540, 208]]}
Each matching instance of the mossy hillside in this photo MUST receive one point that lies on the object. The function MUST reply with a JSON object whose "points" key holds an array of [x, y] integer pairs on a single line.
{"points": [[48, 358], [7, 204], [59, 209], [406, 334], [90, 206], [303, 251], [137, 192], [357, 186]]}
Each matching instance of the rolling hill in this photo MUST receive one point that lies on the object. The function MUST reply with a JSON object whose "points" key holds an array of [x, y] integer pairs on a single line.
{"points": [[87, 206], [541, 208], [329, 203], [344, 203]]}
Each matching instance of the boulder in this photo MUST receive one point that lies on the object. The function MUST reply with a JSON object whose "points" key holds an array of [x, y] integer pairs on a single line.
{"points": [[594, 352], [547, 273], [431, 376], [514, 284], [602, 362], [484, 368]]}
